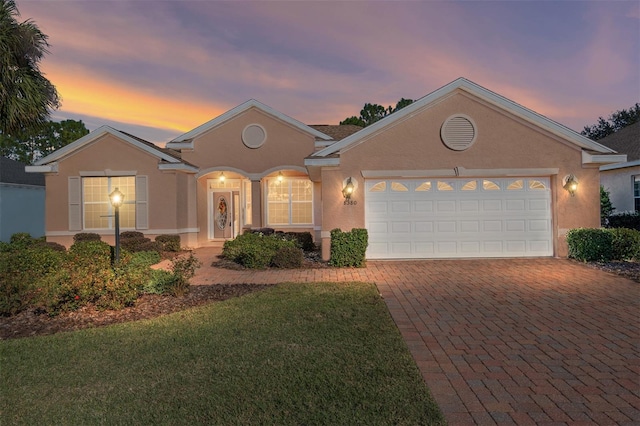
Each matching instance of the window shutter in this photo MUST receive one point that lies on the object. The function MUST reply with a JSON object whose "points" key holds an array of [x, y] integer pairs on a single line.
{"points": [[75, 203], [142, 203]]}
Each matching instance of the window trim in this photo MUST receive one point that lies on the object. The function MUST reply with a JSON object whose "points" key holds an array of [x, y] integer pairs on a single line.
{"points": [[288, 181], [110, 211]]}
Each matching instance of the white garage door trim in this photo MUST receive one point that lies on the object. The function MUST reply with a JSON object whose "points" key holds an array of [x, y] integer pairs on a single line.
{"points": [[458, 217]]}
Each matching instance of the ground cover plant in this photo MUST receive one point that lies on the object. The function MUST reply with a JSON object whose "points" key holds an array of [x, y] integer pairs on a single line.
{"points": [[316, 353]]}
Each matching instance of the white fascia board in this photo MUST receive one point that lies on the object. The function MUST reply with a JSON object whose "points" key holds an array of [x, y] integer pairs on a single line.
{"points": [[251, 103], [588, 158], [48, 168], [620, 165], [180, 145], [178, 166], [332, 161], [98, 133], [458, 172], [482, 93]]}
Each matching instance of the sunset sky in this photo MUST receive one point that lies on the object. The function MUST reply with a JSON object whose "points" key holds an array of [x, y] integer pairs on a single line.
{"points": [[158, 69]]}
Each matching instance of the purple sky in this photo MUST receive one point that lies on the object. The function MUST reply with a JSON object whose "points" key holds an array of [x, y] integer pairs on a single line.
{"points": [[160, 68]]}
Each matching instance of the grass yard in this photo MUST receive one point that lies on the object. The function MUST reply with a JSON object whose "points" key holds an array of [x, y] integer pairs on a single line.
{"points": [[312, 354]]}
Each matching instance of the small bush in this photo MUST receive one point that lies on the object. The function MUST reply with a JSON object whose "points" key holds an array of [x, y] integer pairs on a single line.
{"points": [[135, 244], [303, 239], [348, 248], [288, 257], [52, 245], [183, 269], [86, 236], [629, 220], [131, 234], [625, 244], [169, 242], [21, 240], [145, 258], [160, 282], [255, 250], [589, 245]]}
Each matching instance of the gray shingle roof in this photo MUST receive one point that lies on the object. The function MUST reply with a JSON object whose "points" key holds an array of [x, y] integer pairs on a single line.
{"points": [[625, 141], [337, 132], [12, 171]]}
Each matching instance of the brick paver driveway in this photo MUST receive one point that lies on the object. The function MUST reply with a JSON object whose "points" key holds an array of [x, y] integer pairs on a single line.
{"points": [[524, 341]]}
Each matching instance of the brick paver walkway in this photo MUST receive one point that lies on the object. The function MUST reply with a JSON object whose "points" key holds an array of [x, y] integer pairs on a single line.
{"points": [[519, 341]]}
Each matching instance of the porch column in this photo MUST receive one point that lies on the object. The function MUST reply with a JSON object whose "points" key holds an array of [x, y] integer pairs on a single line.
{"points": [[256, 204]]}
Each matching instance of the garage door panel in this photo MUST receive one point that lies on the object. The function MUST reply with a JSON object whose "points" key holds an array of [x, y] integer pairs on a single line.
{"points": [[457, 219]]}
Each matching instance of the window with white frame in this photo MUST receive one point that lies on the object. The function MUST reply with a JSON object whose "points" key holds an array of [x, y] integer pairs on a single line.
{"points": [[98, 213], [636, 192], [289, 201]]}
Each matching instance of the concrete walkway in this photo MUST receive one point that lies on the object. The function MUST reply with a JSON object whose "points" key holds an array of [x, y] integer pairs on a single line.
{"points": [[519, 341]]}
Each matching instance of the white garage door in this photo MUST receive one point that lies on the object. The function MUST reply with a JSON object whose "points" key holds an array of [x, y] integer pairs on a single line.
{"points": [[436, 218]]}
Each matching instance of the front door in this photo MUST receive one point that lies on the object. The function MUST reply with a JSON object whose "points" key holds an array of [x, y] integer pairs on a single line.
{"points": [[222, 215]]}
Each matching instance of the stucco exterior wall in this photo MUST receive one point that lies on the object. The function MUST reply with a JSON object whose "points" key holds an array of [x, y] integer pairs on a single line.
{"points": [[619, 183], [103, 157], [502, 142]]}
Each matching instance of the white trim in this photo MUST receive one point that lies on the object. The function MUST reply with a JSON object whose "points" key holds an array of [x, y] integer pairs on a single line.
{"points": [[49, 168], [457, 172], [178, 167], [251, 176], [98, 133], [588, 158], [480, 92], [313, 161], [620, 165], [186, 140], [108, 173]]}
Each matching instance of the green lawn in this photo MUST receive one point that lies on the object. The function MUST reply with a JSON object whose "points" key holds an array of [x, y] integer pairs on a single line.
{"points": [[320, 353]]}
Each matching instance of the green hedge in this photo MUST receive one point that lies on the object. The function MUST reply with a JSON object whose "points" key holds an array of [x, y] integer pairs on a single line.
{"points": [[603, 245], [86, 236], [256, 250], [348, 248], [629, 220], [169, 242]]}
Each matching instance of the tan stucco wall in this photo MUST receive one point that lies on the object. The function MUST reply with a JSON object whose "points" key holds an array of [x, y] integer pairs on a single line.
{"points": [[502, 142], [619, 183], [222, 149], [106, 155]]}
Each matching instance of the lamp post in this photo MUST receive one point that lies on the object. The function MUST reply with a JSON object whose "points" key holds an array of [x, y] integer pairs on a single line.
{"points": [[116, 198]]}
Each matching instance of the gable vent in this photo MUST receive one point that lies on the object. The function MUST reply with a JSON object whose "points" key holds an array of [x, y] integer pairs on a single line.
{"points": [[458, 132]]}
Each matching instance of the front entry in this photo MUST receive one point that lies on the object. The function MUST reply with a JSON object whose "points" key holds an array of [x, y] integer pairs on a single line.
{"points": [[222, 217]]}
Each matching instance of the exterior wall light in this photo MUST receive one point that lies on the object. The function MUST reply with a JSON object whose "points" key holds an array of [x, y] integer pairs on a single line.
{"points": [[117, 198], [347, 191], [222, 177], [280, 177], [570, 184]]}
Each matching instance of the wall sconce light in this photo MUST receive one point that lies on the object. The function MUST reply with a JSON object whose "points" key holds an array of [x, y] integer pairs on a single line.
{"points": [[222, 177], [347, 191], [280, 177], [570, 184]]}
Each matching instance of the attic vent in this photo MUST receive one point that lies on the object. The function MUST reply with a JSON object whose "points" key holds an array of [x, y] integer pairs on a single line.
{"points": [[254, 136], [458, 132]]}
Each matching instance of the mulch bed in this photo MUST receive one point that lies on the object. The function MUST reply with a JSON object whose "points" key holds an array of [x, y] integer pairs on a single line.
{"points": [[30, 323]]}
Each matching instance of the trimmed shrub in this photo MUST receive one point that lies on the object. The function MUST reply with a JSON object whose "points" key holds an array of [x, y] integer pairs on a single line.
{"points": [[21, 240], [255, 250], [288, 257], [169, 242], [131, 234], [303, 239], [135, 244], [625, 244], [86, 236], [589, 245], [52, 245], [22, 272], [629, 220], [348, 248]]}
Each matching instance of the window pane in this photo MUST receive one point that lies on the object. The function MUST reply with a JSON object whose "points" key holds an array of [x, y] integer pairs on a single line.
{"points": [[126, 185], [96, 216], [489, 185], [95, 190], [470, 186], [278, 191], [516, 184], [301, 190], [97, 209], [425, 186], [128, 216], [379, 187], [444, 186], [301, 213], [536, 184], [278, 213]]}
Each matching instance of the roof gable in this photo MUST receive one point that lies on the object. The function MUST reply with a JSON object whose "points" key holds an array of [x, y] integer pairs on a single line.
{"points": [[486, 95], [104, 130], [186, 140]]}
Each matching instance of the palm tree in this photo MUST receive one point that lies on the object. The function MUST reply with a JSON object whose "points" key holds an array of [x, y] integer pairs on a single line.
{"points": [[26, 96]]}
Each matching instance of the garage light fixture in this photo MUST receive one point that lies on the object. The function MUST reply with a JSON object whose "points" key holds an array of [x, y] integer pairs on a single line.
{"points": [[347, 191], [570, 184]]}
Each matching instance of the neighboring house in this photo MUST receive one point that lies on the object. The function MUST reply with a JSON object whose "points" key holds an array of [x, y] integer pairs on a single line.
{"points": [[21, 200], [622, 180], [461, 172]]}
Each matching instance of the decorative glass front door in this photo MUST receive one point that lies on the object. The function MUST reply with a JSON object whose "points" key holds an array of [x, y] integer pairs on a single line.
{"points": [[222, 217]]}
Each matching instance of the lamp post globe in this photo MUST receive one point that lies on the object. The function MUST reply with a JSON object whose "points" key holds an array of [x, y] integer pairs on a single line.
{"points": [[117, 198]]}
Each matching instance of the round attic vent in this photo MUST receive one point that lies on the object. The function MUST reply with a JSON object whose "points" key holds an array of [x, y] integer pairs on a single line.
{"points": [[254, 136], [458, 132]]}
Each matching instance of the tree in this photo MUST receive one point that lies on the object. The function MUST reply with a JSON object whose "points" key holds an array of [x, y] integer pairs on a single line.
{"points": [[371, 113], [26, 96], [29, 146], [606, 208], [616, 121]]}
